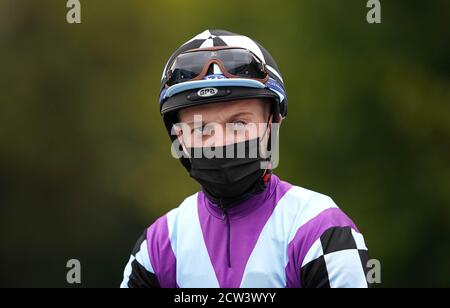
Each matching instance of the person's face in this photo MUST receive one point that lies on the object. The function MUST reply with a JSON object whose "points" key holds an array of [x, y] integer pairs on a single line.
{"points": [[224, 123]]}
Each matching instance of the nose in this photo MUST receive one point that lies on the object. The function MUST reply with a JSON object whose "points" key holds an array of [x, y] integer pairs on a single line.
{"points": [[214, 134]]}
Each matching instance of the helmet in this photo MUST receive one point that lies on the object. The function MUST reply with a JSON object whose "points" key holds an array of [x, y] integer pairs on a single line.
{"points": [[219, 66]]}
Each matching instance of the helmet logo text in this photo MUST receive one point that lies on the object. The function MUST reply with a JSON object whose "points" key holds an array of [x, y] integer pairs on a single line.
{"points": [[207, 92]]}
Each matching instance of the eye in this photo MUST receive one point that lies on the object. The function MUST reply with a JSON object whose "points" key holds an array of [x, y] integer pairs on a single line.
{"points": [[239, 124], [203, 129], [208, 129], [197, 130]]}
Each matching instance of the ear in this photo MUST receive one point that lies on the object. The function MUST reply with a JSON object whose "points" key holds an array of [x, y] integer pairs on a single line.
{"points": [[278, 124], [178, 130], [280, 120]]}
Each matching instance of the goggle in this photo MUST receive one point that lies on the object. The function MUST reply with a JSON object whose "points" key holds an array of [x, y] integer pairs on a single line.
{"points": [[233, 62]]}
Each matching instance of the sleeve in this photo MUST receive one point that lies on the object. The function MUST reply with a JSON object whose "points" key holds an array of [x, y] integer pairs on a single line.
{"points": [[338, 259], [139, 272]]}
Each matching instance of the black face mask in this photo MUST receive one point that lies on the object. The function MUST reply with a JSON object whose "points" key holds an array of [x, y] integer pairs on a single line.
{"points": [[226, 180]]}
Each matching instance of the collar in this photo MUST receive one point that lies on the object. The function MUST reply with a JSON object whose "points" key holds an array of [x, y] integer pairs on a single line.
{"points": [[243, 208]]}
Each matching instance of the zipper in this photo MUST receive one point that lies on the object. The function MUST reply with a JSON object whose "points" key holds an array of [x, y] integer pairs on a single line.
{"points": [[227, 220]]}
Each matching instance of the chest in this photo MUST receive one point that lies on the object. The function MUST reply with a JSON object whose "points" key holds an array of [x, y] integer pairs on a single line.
{"points": [[237, 254]]}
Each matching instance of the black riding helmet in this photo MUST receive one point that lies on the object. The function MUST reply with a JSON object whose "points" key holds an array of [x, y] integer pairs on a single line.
{"points": [[219, 66]]}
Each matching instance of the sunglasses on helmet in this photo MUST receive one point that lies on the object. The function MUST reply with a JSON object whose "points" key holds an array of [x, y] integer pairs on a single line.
{"points": [[234, 62]]}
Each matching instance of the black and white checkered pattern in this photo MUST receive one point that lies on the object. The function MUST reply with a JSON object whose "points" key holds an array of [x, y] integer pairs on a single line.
{"points": [[213, 38], [138, 271], [338, 259]]}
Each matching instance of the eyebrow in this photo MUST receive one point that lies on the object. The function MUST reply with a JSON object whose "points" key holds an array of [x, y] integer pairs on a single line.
{"points": [[235, 116], [240, 114], [229, 119], [190, 123]]}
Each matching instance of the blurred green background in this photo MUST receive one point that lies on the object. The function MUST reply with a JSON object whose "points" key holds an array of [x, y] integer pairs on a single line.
{"points": [[85, 162]]}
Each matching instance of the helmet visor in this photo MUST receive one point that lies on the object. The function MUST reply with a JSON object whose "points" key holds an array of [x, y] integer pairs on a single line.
{"points": [[233, 62]]}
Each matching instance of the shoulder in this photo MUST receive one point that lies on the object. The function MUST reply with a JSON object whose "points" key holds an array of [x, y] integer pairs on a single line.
{"points": [[307, 205], [312, 215], [164, 224], [160, 238], [324, 243], [303, 198]]}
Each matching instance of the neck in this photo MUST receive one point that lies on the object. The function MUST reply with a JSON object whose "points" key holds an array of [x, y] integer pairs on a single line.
{"points": [[227, 203], [243, 208]]}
